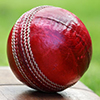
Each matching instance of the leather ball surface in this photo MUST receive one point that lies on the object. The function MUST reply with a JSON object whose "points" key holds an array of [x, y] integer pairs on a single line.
{"points": [[49, 48]]}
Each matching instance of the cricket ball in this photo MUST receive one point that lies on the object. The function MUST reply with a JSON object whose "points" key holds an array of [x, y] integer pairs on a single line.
{"points": [[49, 48]]}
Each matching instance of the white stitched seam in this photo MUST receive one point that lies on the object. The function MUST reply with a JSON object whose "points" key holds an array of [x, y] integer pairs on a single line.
{"points": [[45, 80]]}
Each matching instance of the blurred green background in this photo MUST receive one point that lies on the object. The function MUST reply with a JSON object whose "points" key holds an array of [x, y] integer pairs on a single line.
{"points": [[87, 10]]}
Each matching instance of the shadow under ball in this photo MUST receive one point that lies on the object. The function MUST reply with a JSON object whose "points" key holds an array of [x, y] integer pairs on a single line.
{"points": [[49, 48]]}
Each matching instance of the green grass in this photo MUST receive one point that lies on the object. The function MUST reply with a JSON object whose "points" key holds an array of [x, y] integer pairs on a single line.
{"points": [[87, 10]]}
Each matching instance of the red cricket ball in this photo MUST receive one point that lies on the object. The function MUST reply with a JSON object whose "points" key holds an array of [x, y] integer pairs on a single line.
{"points": [[49, 48]]}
